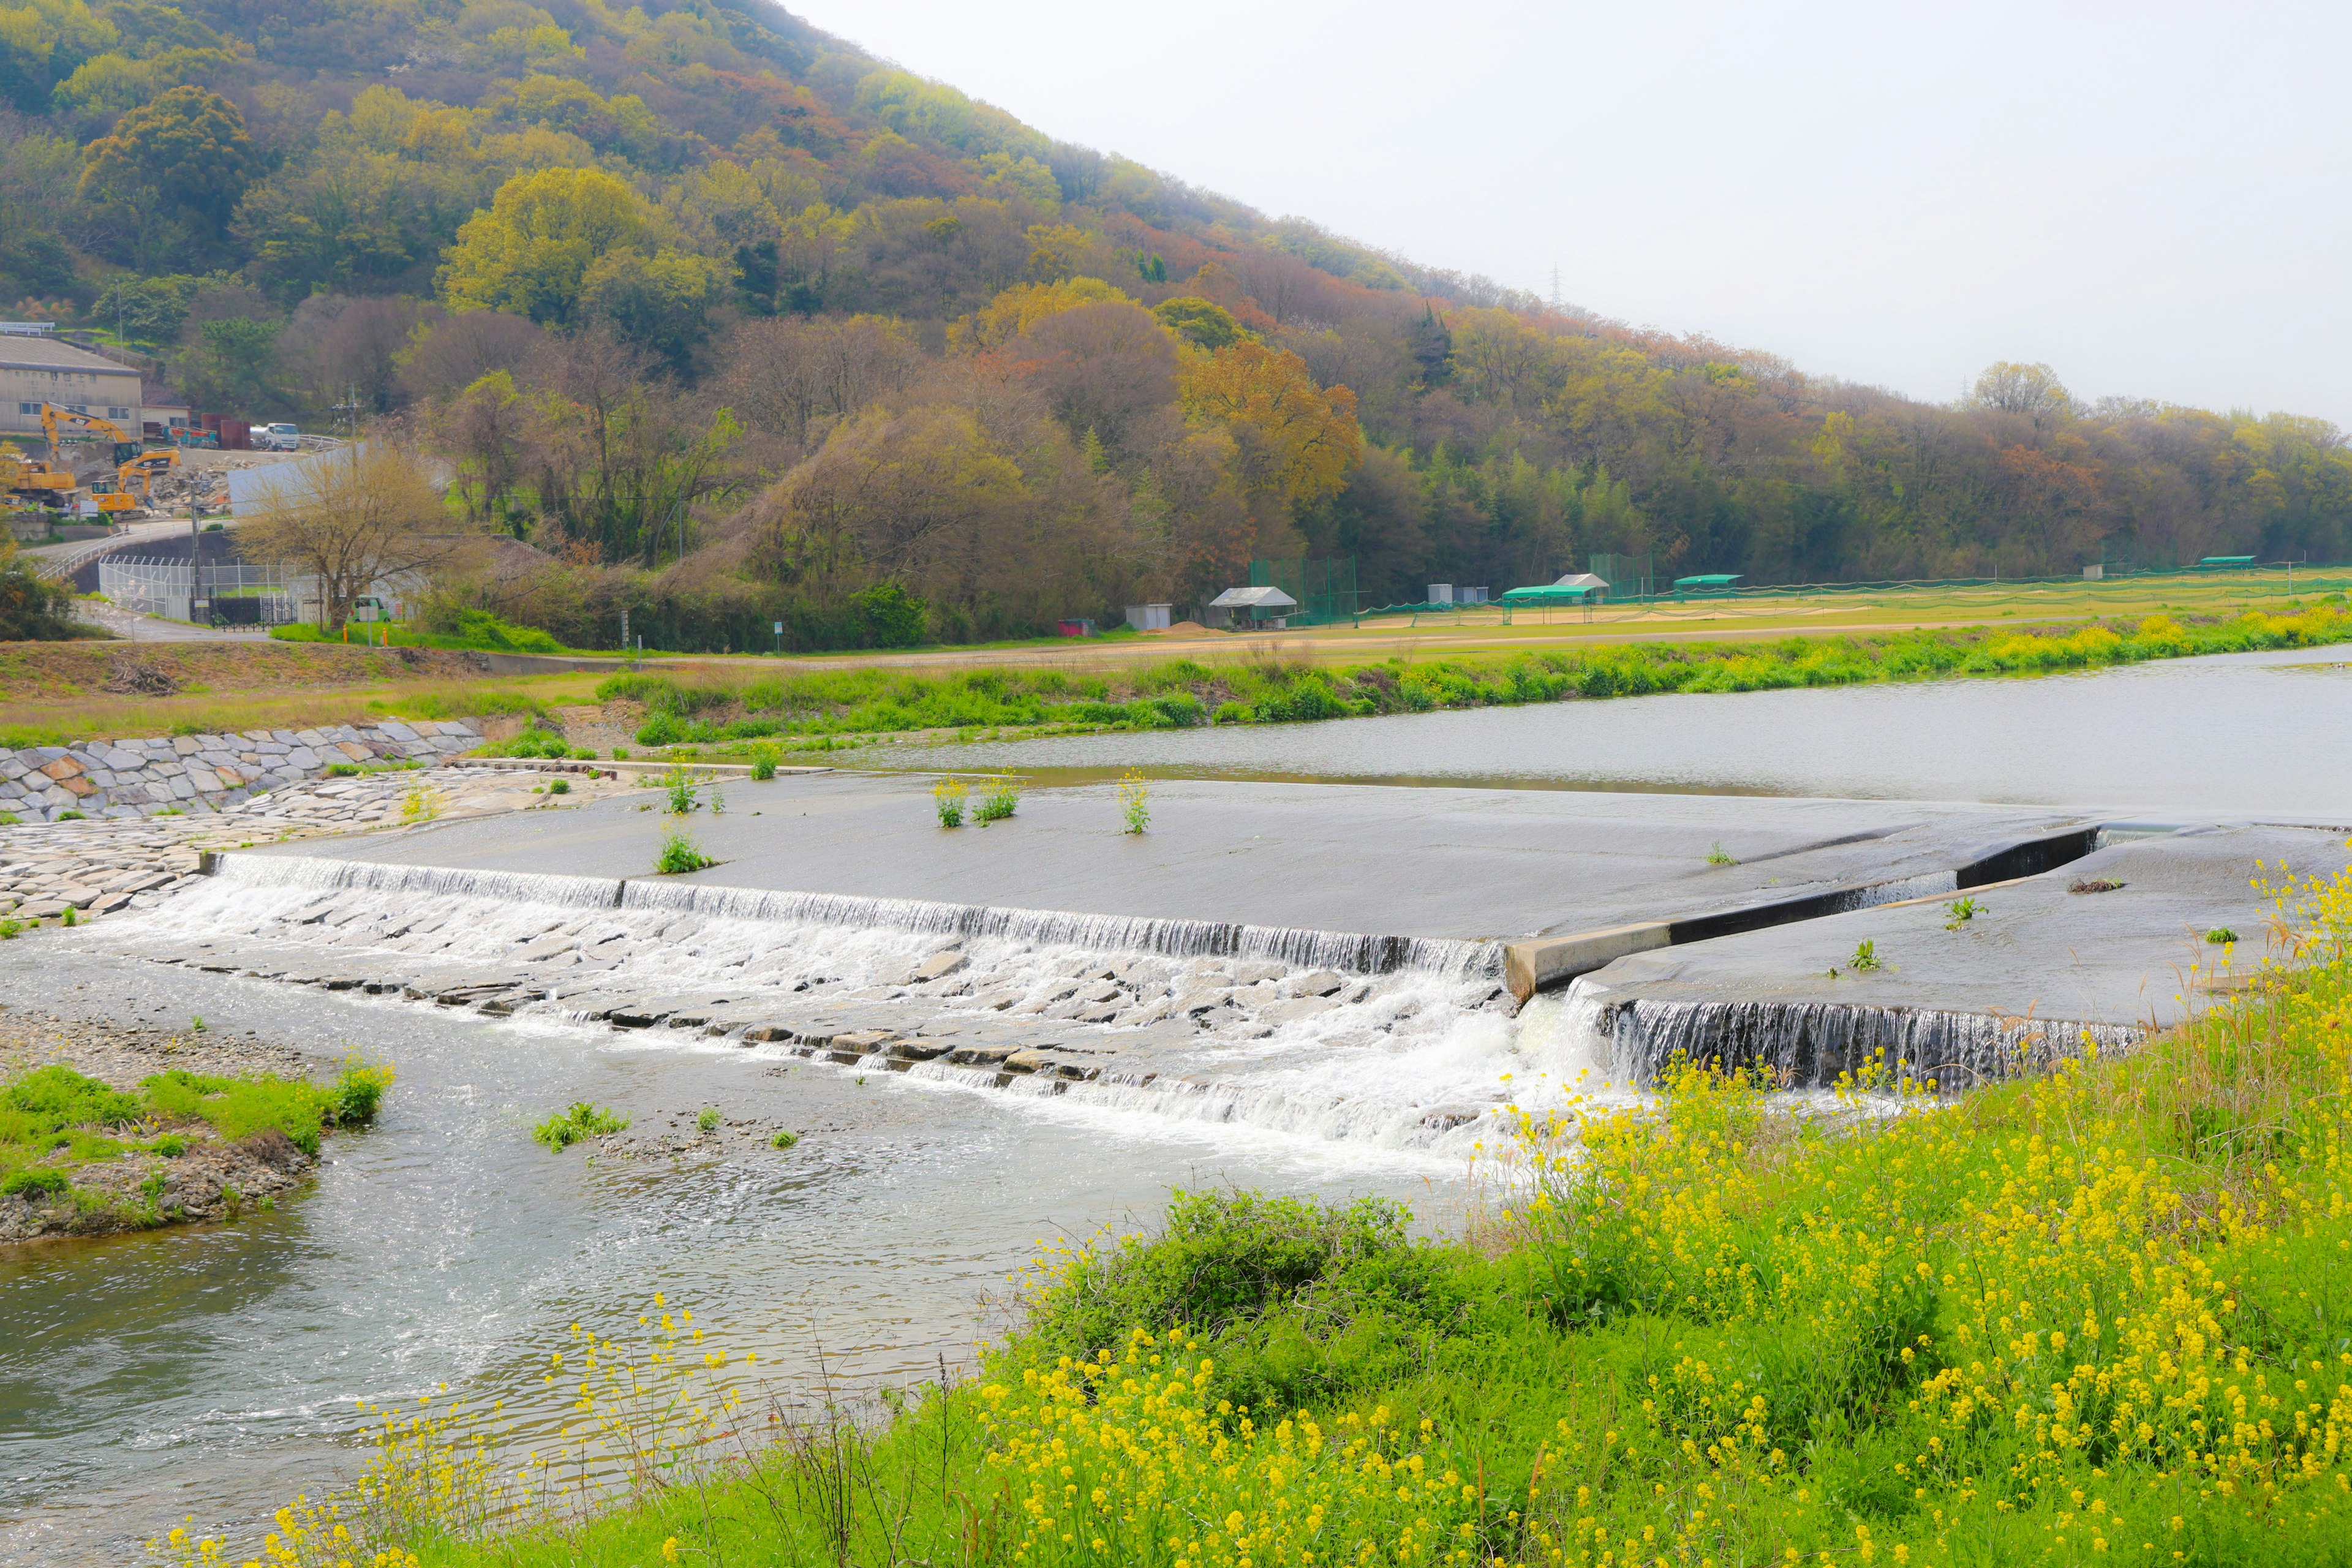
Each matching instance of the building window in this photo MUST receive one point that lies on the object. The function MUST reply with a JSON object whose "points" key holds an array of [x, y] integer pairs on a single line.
{"points": [[77, 408], [118, 414], [28, 408]]}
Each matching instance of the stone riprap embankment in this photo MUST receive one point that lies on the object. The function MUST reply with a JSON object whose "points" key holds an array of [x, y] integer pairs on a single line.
{"points": [[99, 865], [205, 772]]}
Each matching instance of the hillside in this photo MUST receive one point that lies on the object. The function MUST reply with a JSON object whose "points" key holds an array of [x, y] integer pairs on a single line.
{"points": [[891, 363]]}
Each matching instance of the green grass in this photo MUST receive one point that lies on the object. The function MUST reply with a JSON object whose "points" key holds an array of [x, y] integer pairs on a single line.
{"points": [[56, 1117], [576, 1123], [2100, 1315], [822, 707]]}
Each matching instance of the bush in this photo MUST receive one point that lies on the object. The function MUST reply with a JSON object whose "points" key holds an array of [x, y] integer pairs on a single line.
{"points": [[36, 1183], [891, 616], [58, 1097], [582, 1121], [358, 1091], [681, 854]]}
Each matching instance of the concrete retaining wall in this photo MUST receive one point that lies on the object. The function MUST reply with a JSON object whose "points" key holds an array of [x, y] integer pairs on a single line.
{"points": [[203, 772]]}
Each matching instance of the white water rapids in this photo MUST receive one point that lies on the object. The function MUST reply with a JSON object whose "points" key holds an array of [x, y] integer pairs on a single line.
{"points": [[1332, 1038]]}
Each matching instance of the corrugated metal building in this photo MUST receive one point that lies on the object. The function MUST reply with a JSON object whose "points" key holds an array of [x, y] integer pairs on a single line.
{"points": [[34, 371]]}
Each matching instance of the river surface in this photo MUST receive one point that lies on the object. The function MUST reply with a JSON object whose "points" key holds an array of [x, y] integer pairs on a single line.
{"points": [[2236, 733], [213, 1371]]}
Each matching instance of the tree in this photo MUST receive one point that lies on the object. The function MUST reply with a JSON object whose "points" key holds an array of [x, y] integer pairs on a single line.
{"points": [[1203, 322], [1296, 440], [531, 252], [461, 350], [1107, 368], [33, 608], [487, 428], [2033, 391], [660, 303], [188, 151], [362, 520], [233, 365]]}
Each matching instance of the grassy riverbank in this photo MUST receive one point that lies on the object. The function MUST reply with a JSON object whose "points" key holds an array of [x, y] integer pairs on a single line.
{"points": [[825, 708], [79, 1156], [2101, 1315]]}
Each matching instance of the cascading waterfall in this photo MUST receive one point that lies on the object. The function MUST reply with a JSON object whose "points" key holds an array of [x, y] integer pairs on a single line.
{"points": [[1391, 1042], [1810, 1044]]}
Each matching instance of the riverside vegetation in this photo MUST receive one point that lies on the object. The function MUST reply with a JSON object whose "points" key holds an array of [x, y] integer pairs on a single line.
{"points": [[87, 1158], [825, 708], [2102, 1315]]}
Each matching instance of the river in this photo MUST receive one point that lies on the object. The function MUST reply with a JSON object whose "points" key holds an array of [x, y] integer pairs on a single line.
{"points": [[213, 1372]]}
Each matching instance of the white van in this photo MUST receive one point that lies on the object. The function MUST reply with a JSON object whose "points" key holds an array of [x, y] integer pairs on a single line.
{"points": [[278, 438]]}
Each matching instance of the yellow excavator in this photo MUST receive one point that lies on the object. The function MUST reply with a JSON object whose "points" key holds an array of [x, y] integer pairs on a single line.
{"points": [[141, 470], [90, 428], [30, 480]]}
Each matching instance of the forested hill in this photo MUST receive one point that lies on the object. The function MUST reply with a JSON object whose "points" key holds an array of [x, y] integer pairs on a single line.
{"points": [[701, 271]]}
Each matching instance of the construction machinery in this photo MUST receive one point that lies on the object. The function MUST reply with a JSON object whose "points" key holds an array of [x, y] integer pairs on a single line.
{"points": [[30, 480], [118, 502], [90, 428]]}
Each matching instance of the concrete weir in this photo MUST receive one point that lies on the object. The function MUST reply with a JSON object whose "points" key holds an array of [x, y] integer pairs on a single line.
{"points": [[1354, 877], [1719, 929], [2103, 949]]}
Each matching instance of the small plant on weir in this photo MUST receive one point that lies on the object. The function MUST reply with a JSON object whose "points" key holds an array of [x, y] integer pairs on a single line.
{"points": [[1003, 799], [1866, 957], [1962, 911], [2220, 936], [681, 854], [785, 1139], [1718, 856], [560, 786], [682, 788], [948, 798], [1135, 802], [423, 803], [763, 767], [582, 1121], [708, 1121]]}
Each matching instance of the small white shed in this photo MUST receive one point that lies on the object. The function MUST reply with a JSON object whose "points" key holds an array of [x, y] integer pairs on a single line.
{"points": [[1267, 607]]}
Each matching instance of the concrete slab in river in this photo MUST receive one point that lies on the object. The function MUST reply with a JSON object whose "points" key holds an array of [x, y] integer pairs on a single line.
{"points": [[2035, 966], [1442, 863]]}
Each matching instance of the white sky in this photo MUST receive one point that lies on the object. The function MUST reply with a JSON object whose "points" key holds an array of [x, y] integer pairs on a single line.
{"points": [[2151, 197]]}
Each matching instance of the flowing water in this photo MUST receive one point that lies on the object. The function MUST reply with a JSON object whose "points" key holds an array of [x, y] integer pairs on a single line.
{"points": [[1054, 1074], [213, 1371]]}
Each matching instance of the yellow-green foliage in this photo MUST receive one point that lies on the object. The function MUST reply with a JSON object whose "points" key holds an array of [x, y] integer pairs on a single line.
{"points": [[2104, 1315], [55, 1119], [1180, 693]]}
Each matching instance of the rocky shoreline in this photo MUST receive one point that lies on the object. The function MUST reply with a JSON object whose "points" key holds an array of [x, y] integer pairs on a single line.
{"points": [[211, 1179]]}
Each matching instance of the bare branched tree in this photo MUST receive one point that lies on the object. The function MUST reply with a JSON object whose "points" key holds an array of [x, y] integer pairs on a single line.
{"points": [[362, 517]]}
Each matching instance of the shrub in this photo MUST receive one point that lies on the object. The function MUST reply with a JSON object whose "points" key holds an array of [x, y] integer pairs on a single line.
{"points": [[58, 1097], [36, 1183], [342, 770], [560, 786], [764, 766], [581, 1120], [784, 1138], [358, 1091], [171, 1145], [661, 729], [681, 854], [948, 798], [1003, 799]]}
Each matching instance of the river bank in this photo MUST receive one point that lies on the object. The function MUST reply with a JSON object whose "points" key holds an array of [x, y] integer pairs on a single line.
{"points": [[111, 1127], [826, 711]]}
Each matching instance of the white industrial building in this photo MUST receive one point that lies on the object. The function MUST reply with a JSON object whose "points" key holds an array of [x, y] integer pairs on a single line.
{"points": [[37, 370]]}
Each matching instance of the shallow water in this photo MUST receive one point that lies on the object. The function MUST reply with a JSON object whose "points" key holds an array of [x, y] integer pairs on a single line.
{"points": [[212, 1371], [2232, 734]]}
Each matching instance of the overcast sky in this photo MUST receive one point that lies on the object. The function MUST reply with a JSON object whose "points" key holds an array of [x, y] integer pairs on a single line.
{"points": [[2151, 197]]}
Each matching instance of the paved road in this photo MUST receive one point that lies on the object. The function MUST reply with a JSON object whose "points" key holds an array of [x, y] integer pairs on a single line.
{"points": [[154, 628]]}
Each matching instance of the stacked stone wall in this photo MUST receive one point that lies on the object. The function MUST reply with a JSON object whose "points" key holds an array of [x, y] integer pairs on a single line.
{"points": [[204, 773]]}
